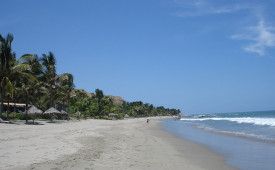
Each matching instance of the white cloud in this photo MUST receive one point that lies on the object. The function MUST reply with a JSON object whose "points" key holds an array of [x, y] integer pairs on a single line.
{"points": [[203, 7], [262, 37], [259, 37]]}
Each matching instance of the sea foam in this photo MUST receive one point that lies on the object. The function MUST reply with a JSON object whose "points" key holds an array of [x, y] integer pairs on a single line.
{"points": [[256, 121]]}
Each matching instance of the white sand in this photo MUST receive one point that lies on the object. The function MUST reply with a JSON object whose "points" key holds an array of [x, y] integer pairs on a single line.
{"points": [[100, 144]]}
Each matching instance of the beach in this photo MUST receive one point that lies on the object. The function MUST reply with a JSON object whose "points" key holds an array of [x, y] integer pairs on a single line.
{"points": [[101, 144]]}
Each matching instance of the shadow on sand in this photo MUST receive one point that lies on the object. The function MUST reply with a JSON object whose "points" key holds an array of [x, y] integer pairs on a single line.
{"points": [[34, 123]]}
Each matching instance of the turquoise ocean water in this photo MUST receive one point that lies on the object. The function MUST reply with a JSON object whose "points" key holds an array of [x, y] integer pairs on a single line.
{"points": [[247, 139]]}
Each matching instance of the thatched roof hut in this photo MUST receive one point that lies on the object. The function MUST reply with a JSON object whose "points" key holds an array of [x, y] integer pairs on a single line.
{"points": [[34, 110], [52, 111], [126, 116], [63, 112]]}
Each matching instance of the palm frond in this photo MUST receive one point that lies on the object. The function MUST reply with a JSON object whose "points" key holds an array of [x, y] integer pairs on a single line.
{"points": [[26, 58], [8, 85], [9, 39], [29, 77], [20, 68]]}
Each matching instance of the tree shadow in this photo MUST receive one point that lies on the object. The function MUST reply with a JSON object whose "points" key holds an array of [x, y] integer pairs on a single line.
{"points": [[34, 123]]}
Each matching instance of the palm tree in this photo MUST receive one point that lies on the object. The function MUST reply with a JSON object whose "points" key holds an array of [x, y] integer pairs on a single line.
{"points": [[103, 102], [49, 64], [10, 67], [6, 58], [56, 82], [99, 96], [66, 86], [29, 81]]}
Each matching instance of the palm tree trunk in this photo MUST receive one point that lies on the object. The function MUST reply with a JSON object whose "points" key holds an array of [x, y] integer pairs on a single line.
{"points": [[2, 101], [14, 106], [51, 96], [69, 101], [33, 117], [27, 107], [8, 109], [51, 101], [2, 96], [63, 105]]}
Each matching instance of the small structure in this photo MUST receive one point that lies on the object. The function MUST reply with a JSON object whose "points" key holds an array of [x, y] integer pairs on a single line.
{"points": [[15, 107], [52, 111], [113, 115], [34, 111], [64, 114], [126, 116]]}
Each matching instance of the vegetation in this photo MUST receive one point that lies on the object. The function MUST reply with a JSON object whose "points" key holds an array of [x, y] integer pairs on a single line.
{"points": [[33, 80], [99, 106]]}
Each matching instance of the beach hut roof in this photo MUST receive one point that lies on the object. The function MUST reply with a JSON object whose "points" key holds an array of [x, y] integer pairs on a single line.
{"points": [[52, 110], [63, 112], [34, 110], [126, 116], [78, 112], [113, 114]]}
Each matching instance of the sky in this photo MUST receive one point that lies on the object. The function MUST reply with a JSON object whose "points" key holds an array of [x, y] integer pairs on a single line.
{"points": [[199, 56]]}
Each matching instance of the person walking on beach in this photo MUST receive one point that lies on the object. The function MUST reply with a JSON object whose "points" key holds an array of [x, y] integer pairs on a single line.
{"points": [[147, 119]]}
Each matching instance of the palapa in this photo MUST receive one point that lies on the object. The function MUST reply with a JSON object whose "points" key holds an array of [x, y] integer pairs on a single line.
{"points": [[34, 110], [63, 112], [52, 111]]}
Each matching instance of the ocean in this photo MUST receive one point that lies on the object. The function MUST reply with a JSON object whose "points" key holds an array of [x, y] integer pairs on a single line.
{"points": [[246, 139]]}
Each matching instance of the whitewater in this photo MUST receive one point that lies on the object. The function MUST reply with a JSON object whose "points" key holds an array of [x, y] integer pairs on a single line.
{"points": [[256, 121], [260, 124]]}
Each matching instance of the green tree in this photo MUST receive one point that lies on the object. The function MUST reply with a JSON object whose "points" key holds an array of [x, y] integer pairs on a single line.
{"points": [[49, 76], [66, 86], [10, 67], [7, 57]]}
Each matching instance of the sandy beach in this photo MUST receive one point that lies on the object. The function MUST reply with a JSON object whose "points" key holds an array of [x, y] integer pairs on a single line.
{"points": [[101, 144]]}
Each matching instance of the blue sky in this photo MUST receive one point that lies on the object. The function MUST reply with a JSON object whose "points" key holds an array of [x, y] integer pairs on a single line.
{"points": [[200, 56]]}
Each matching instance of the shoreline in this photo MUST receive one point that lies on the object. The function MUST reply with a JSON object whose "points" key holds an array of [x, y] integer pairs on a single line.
{"points": [[194, 152], [102, 144], [239, 152]]}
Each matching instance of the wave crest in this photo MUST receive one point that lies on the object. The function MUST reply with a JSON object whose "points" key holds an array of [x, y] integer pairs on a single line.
{"points": [[256, 121]]}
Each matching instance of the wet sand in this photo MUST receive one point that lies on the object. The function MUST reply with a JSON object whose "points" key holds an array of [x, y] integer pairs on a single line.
{"points": [[101, 144]]}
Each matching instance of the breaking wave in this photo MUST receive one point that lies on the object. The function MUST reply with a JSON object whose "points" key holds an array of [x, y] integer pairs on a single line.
{"points": [[256, 121]]}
